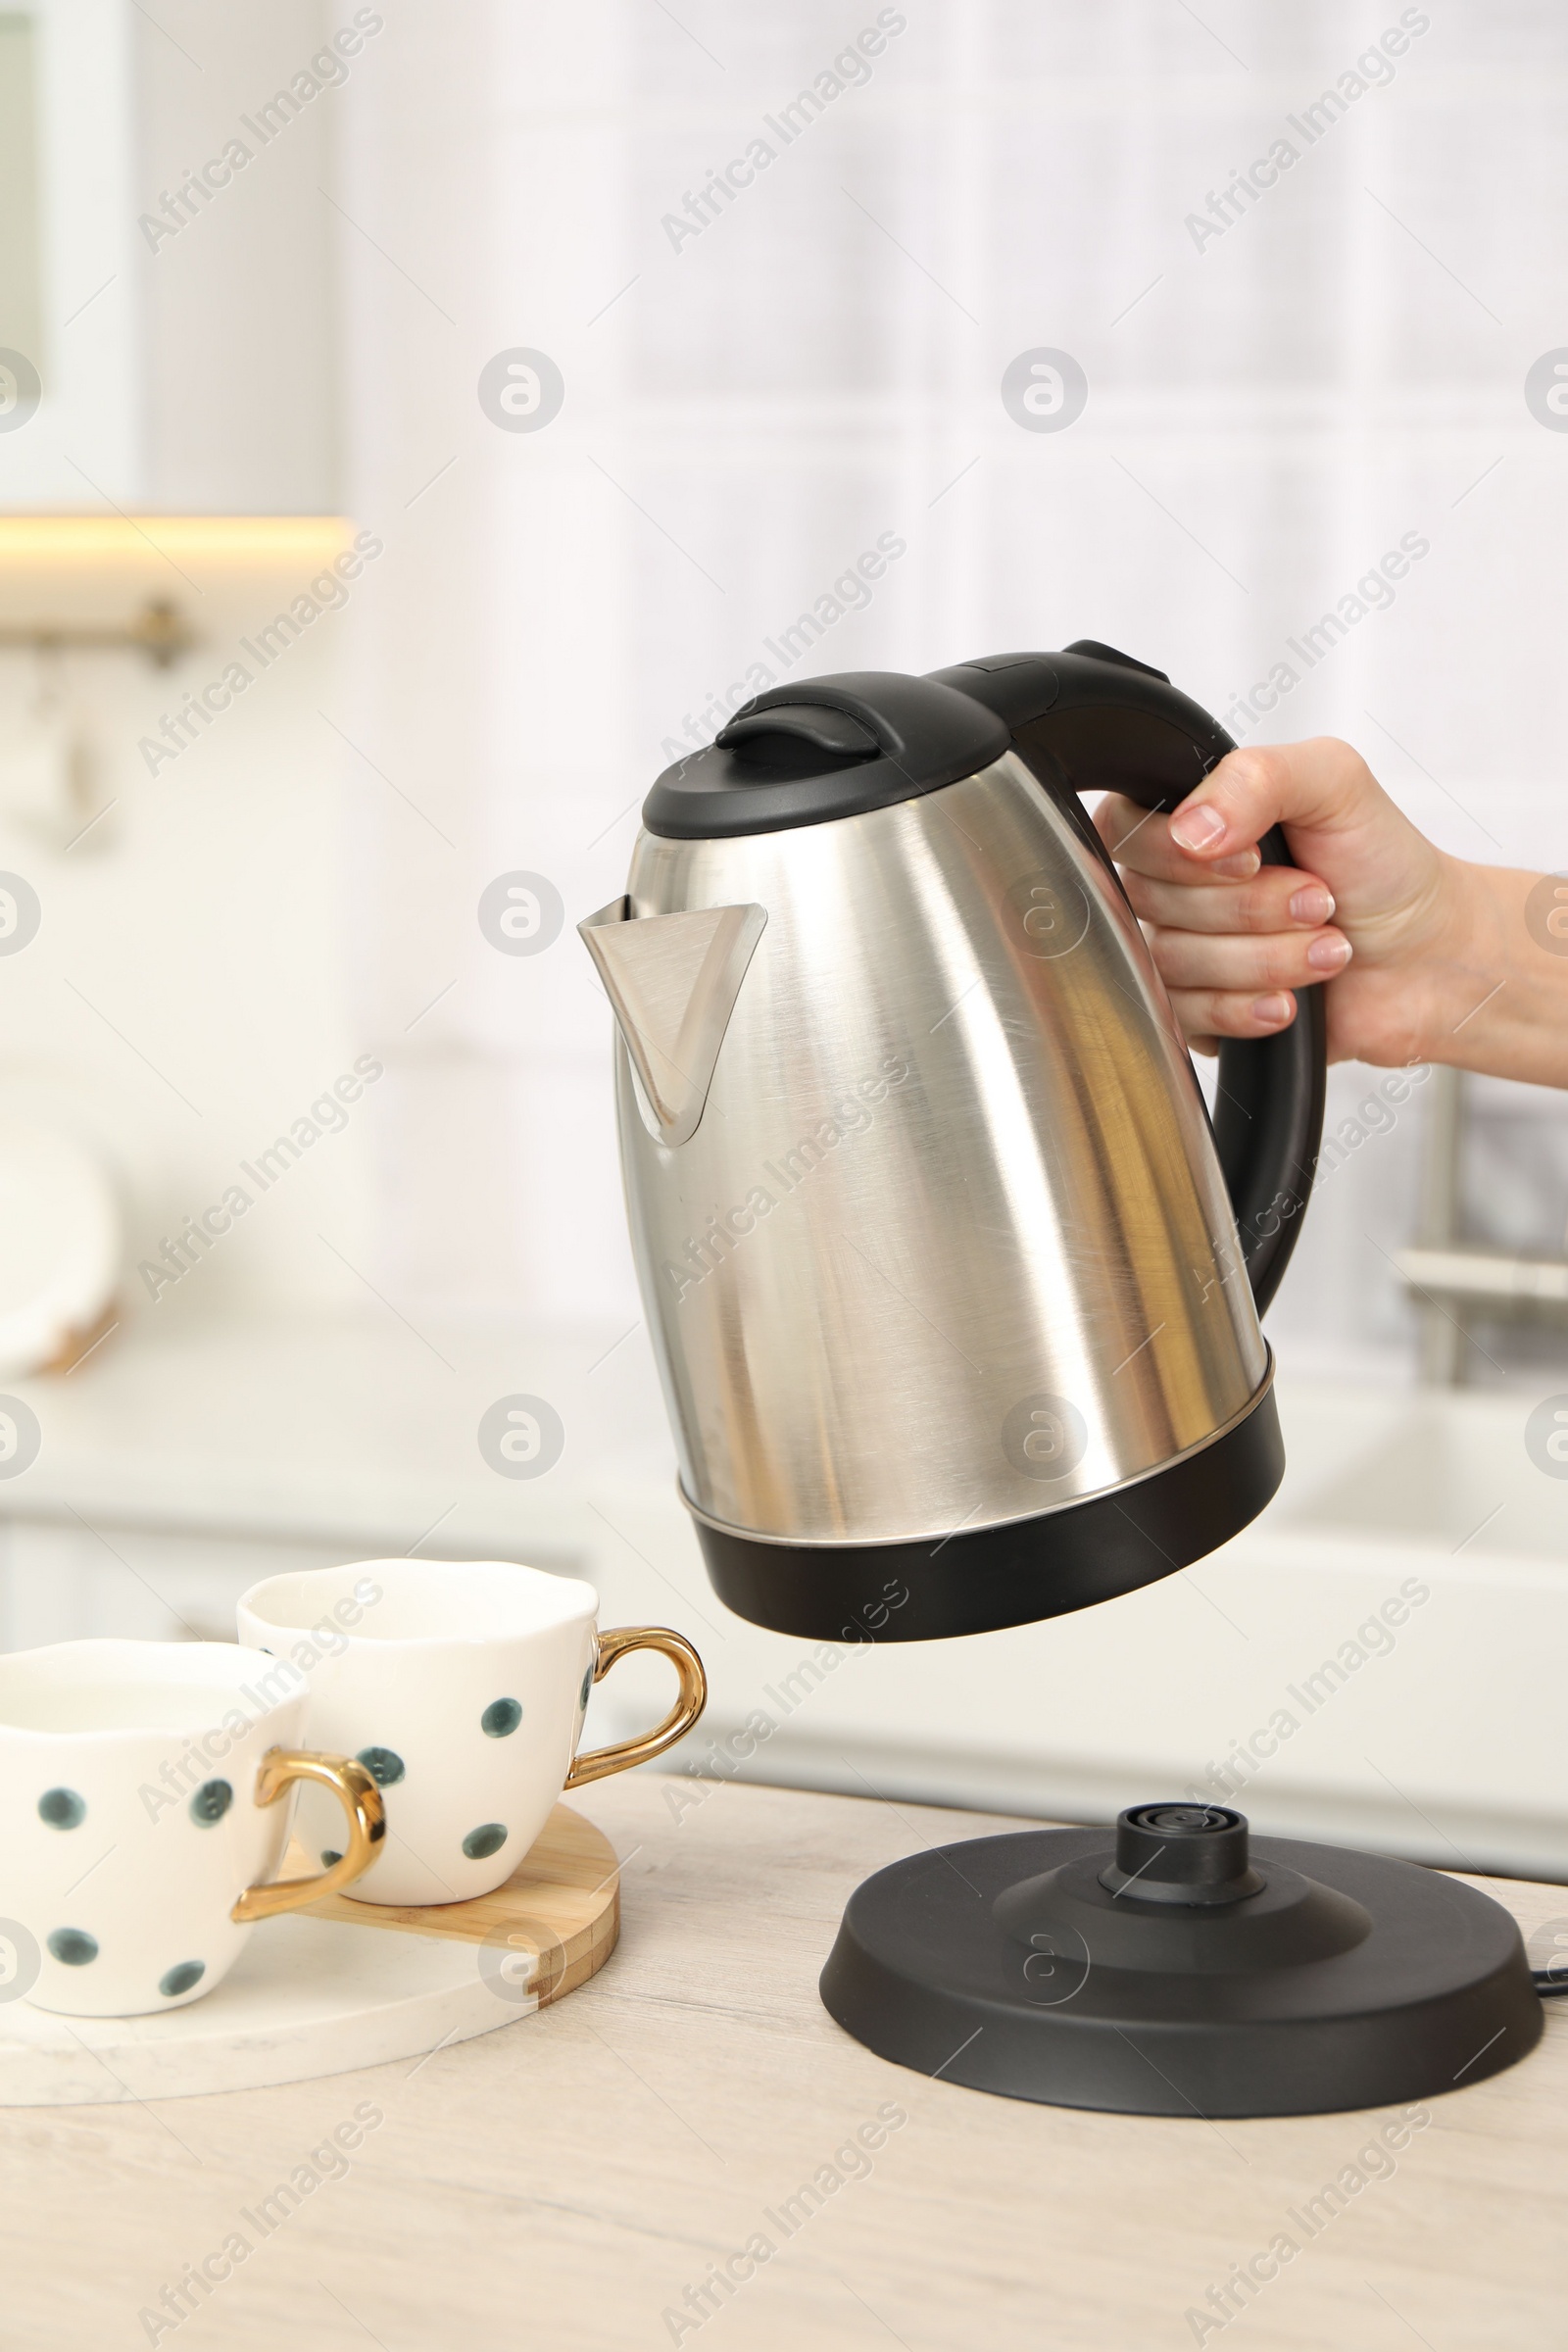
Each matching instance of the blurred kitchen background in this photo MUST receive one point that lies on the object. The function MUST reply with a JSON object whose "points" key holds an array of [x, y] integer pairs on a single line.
{"points": [[288, 296]]}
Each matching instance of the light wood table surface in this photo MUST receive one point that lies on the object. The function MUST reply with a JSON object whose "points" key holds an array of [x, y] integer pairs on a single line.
{"points": [[561, 2183]]}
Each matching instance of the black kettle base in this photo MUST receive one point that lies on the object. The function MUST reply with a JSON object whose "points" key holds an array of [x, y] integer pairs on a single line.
{"points": [[1213, 1976]]}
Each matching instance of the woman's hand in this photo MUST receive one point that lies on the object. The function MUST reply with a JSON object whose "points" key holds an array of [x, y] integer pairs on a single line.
{"points": [[1406, 940]]}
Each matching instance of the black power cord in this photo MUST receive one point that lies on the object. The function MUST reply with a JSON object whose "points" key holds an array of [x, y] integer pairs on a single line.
{"points": [[1549, 1980]]}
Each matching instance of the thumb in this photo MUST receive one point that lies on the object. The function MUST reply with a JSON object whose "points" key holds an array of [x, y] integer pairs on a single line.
{"points": [[1322, 786]]}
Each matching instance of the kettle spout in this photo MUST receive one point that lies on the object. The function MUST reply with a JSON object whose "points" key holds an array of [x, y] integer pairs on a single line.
{"points": [[673, 981]]}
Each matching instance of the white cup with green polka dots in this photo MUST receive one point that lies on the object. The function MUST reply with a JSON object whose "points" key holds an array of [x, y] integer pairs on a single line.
{"points": [[460, 1685], [142, 1820]]}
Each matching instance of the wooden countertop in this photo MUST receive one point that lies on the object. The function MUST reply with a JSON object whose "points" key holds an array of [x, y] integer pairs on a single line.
{"points": [[563, 2183]]}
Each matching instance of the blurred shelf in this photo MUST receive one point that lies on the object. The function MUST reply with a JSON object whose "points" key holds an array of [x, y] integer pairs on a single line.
{"points": [[97, 539]]}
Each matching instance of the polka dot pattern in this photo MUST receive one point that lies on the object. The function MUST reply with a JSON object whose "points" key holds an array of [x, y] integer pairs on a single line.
{"points": [[210, 1802], [181, 1977], [488, 1838], [73, 1947], [383, 1764], [62, 1809], [500, 1718]]}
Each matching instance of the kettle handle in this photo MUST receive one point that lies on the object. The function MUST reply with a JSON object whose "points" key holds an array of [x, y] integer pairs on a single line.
{"points": [[1092, 719]]}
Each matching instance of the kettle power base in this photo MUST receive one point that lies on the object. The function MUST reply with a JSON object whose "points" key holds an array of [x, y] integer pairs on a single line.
{"points": [[1341, 1980]]}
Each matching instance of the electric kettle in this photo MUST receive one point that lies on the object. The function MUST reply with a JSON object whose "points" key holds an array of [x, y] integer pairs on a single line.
{"points": [[954, 1295], [953, 1286]]}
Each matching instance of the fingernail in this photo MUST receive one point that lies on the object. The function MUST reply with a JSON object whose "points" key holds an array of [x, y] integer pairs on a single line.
{"points": [[1314, 904], [1197, 828], [1239, 868], [1274, 1012], [1326, 955]]}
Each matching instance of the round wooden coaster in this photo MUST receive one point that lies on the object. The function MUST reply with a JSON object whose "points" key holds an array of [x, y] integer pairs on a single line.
{"points": [[561, 1904], [328, 1990]]}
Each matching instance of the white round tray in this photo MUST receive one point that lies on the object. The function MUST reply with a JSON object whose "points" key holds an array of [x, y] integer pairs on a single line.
{"points": [[326, 1990]]}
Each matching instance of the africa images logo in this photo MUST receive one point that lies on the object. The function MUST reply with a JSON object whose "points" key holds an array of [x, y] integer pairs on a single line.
{"points": [[521, 390]]}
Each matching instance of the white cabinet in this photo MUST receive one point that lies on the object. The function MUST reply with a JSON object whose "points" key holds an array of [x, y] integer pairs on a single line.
{"points": [[1404, 1601]]}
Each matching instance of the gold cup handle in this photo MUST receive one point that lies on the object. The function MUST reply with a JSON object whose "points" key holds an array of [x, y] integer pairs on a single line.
{"points": [[361, 1799], [683, 1714]]}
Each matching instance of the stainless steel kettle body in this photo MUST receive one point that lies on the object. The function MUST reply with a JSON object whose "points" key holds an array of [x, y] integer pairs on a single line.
{"points": [[942, 1276]]}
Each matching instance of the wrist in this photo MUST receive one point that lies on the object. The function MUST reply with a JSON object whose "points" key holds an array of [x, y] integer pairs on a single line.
{"points": [[1497, 1001]]}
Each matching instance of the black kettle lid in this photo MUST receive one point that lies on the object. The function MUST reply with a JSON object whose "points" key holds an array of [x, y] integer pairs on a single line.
{"points": [[822, 748]]}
